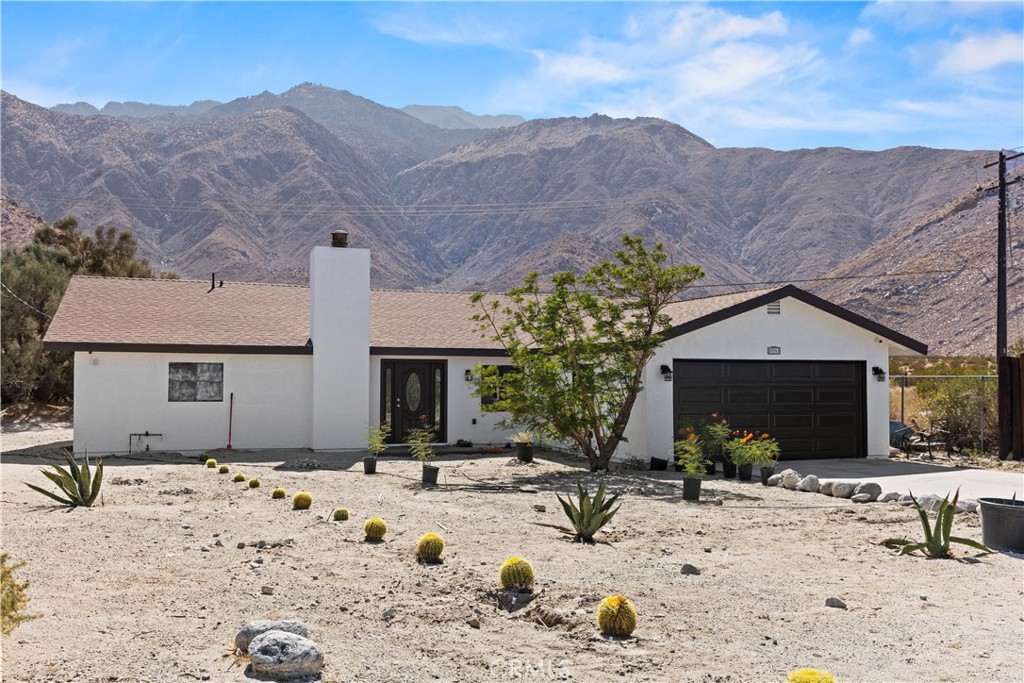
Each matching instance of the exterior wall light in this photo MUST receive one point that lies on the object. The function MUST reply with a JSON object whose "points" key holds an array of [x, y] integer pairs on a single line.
{"points": [[666, 373], [879, 373]]}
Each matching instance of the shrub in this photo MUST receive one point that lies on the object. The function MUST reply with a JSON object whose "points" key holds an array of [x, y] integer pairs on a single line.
{"points": [[211, 463], [937, 540], [375, 528], [238, 477], [302, 501], [516, 573], [616, 616], [429, 548], [588, 518], [78, 483], [420, 440], [224, 469], [810, 676], [376, 437], [340, 515], [278, 493], [12, 597], [689, 453], [254, 483]]}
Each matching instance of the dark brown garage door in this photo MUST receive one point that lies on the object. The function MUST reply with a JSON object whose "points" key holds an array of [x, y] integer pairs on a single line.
{"points": [[814, 408]]}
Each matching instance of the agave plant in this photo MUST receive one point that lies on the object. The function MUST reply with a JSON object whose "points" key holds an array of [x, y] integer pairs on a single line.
{"points": [[78, 483], [591, 514], [937, 540]]}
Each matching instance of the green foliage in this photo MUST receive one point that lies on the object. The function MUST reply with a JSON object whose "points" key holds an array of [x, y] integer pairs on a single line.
{"points": [[254, 483], [420, 440], [278, 493], [211, 463], [340, 515], [616, 616], [12, 597], [589, 515], [953, 404], [578, 352], [522, 437], [689, 452], [223, 469], [79, 484], [516, 573], [936, 540], [302, 501], [375, 528], [238, 477], [376, 438], [38, 274], [429, 548]]}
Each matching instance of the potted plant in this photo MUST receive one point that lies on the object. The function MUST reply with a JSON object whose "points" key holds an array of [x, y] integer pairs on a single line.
{"points": [[740, 452], [765, 453], [376, 437], [715, 433], [689, 454], [421, 447], [524, 446]]}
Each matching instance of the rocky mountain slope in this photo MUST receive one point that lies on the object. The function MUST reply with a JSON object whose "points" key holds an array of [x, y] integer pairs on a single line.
{"points": [[17, 226], [457, 117]]}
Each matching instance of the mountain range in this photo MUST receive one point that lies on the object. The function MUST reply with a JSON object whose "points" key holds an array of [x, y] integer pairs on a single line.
{"points": [[246, 188]]}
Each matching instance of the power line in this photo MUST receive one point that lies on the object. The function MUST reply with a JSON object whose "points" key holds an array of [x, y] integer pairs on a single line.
{"points": [[23, 302]]}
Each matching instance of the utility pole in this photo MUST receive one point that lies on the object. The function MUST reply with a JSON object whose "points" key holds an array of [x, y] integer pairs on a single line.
{"points": [[1003, 363]]}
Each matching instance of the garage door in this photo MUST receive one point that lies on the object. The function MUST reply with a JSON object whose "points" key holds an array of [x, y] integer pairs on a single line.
{"points": [[814, 408]]}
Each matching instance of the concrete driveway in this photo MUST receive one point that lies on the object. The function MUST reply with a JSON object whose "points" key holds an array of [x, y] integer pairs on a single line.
{"points": [[919, 478]]}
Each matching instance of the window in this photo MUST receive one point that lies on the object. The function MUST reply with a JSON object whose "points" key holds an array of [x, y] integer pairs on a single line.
{"points": [[490, 399], [192, 382]]}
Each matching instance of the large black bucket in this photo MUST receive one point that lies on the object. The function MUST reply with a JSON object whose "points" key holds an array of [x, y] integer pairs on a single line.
{"points": [[1002, 524]]}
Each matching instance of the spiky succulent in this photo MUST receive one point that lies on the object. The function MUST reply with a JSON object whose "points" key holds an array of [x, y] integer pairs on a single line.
{"points": [[591, 514], [810, 676], [340, 515], [211, 463], [79, 485], [302, 501], [238, 477], [429, 548], [375, 528], [516, 573], [616, 616], [254, 483], [937, 540], [224, 469], [278, 493]]}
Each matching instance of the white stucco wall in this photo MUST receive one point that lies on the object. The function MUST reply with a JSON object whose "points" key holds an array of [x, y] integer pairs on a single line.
{"points": [[463, 407], [340, 319], [117, 394], [802, 332]]}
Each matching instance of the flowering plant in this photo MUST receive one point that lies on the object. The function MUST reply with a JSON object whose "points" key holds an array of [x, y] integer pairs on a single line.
{"points": [[764, 450], [689, 452]]}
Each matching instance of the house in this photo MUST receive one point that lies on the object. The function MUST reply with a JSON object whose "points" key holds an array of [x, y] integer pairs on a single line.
{"points": [[192, 365]]}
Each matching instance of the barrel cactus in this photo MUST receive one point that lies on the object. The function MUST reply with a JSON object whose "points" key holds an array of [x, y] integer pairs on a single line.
{"points": [[278, 493], [429, 548], [810, 676], [238, 477], [375, 528], [211, 463], [254, 483], [516, 573], [224, 469], [302, 501], [616, 616], [340, 515]]}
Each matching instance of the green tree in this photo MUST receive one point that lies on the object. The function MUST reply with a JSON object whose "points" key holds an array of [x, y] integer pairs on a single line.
{"points": [[34, 280], [578, 352]]}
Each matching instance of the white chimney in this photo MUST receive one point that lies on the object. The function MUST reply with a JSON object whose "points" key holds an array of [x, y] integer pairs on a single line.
{"points": [[339, 319]]}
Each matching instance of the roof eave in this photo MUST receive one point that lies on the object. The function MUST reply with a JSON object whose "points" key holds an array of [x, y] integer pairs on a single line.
{"points": [[247, 349]]}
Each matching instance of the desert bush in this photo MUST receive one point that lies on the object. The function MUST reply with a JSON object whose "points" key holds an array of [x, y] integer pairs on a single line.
{"points": [[616, 616], [12, 597], [79, 484]]}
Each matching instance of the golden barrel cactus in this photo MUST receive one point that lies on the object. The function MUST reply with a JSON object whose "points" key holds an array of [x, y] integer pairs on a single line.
{"points": [[278, 493], [616, 616], [810, 676], [302, 501], [340, 515], [211, 463], [238, 477], [516, 573], [254, 483], [375, 528], [429, 548], [224, 469]]}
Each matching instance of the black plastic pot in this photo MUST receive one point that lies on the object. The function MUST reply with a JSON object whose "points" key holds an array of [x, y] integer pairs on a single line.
{"points": [[691, 489], [430, 474], [709, 467], [1002, 523], [746, 471], [728, 469], [369, 465], [659, 464], [765, 473], [524, 451]]}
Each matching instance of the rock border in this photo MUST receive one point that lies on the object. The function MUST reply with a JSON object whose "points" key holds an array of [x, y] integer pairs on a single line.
{"points": [[860, 492]]}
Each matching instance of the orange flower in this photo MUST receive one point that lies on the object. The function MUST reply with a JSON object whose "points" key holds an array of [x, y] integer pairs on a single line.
{"points": [[764, 436], [693, 437]]}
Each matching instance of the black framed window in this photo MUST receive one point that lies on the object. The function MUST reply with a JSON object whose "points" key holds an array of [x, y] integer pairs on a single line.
{"points": [[195, 382], [490, 399]]}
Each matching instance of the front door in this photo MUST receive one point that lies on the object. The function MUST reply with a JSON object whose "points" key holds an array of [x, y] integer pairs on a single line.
{"points": [[413, 391]]}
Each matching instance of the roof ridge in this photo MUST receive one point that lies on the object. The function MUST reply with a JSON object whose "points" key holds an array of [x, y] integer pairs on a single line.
{"points": [[183, 280], [715, 296]]}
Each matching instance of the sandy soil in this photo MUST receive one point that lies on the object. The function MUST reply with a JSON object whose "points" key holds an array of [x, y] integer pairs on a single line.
{"points": [[152, 585]]}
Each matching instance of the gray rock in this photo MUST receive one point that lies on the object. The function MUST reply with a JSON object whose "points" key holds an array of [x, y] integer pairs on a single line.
{"points": [[255, 628], [285, 655], [826, 487], [791, 480], [905, 499], [967, 506], [844, 489], [809, 483], [690, 570], [890, 497], [870, 488], [786, 471], [861, 498], [930, 502], [774, 480], [835, 602]]}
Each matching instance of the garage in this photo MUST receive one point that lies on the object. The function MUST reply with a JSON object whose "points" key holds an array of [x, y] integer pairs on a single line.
{"points": [[816, 409]]}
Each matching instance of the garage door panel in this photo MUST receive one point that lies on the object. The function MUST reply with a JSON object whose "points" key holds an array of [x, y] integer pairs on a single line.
{"points": [[745, 372], [747, 396], [793, 371], [792, 396], [837, 371], [792, 421], [843, 397], [836, 420], [701, 395], [698, 373]]}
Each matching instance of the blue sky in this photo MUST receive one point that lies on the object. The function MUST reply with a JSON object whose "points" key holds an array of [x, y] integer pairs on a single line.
{"points": [[782, 75]]}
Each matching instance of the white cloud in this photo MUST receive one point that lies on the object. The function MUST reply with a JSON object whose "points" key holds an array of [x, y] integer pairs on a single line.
{"points": [[463, 29], [859, 36], [981, 53], [579, 69]]}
